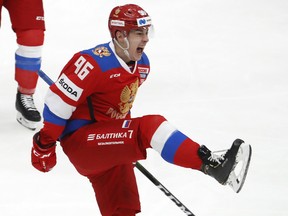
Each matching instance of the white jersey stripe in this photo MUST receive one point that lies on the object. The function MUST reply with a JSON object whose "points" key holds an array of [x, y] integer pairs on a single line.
{"points": [[57, 106]]}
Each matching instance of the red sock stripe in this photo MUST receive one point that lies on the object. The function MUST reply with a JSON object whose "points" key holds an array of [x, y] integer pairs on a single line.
{"points": [[187, 156], [27, 80]]}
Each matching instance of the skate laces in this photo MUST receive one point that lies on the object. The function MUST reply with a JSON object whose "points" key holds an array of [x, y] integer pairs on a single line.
{"points": [[28, 102], [217, 157]]}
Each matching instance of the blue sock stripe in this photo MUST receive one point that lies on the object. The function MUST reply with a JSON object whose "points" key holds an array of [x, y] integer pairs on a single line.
{"points": [[30, 64], [171, 146]]}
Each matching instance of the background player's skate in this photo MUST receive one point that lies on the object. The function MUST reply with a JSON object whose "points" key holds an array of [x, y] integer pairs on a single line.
{"points": [[27, 114]]}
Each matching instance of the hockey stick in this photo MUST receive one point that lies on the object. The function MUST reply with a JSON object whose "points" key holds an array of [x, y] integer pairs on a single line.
{"points": [[163, 189], [47, 79], [139, 166]]}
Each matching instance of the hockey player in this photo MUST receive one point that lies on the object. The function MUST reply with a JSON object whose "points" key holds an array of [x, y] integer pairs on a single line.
{"points": [[27, 18], [88, 110]]}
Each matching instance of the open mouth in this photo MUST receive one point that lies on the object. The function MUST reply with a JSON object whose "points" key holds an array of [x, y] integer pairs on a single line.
{"points": [[140, 50]]}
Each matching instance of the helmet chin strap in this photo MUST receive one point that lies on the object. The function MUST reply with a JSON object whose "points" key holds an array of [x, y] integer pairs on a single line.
{"points": [[125, 50]]}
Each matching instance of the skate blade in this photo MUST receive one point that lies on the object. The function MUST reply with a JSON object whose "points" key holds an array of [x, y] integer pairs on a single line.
{"points": [[26, 123], [238, 175]]}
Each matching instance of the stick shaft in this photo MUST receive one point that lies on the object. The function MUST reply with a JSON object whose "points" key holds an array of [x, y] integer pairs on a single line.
{"points": [[163, 189], [44, 76]]}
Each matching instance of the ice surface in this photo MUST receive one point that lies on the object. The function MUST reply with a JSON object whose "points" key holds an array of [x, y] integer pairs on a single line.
{"points": [[218, 72]]}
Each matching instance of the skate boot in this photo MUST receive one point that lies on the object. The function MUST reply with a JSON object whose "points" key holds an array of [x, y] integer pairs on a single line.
{"points": [[222, 166], [27, 114]]}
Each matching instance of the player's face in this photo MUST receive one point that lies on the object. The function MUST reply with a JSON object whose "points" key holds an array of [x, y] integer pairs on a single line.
{"points": [[137, 41]]}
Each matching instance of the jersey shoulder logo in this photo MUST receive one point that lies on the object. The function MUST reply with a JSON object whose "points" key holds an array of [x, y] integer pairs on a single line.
{"points": [[101, 51]]}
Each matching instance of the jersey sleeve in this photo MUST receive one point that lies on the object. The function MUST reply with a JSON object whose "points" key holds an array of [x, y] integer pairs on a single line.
{"points": [[76, 81]]}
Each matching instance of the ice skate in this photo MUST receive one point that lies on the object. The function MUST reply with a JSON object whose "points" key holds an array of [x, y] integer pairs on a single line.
{"points": [[229, 167], [27, 114]]}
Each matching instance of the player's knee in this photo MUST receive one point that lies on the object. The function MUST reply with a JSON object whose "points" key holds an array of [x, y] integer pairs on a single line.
{"points": [[124, 212], [34, 37], [152, 120], [150, 123], [30, 45], [147, 127]]}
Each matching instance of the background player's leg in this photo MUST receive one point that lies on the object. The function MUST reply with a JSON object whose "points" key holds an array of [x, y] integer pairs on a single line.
{"points": [[27, 18], [28, 62]]}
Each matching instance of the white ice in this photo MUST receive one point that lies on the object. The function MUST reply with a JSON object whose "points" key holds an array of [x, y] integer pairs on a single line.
{"points": [[219, 71]]}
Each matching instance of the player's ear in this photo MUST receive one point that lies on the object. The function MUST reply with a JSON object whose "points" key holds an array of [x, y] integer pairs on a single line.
{"points": [[119, 36]]}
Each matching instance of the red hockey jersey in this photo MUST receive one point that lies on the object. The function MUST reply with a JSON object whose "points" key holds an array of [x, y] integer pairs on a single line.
{"points": [[95, 85]]}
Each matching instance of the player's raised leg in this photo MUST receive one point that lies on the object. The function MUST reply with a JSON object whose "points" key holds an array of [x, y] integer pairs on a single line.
{"points": [[177, 148]]}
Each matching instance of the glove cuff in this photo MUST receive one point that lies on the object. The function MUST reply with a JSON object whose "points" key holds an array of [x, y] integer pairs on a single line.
{"points": [[36, 139]]}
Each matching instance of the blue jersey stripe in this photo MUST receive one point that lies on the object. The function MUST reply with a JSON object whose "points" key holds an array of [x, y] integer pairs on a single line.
{"points": [[171, 146], [52, 118], [73, 125]]}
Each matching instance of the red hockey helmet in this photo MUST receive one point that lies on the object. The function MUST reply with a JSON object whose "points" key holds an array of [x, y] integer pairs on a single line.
{"points": [[128, 17]]}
